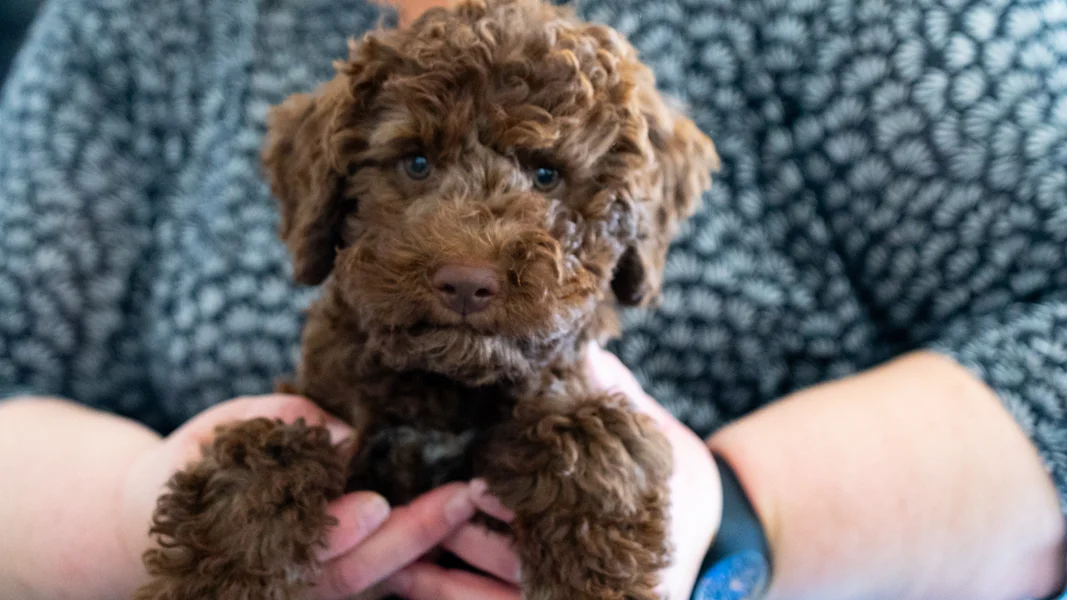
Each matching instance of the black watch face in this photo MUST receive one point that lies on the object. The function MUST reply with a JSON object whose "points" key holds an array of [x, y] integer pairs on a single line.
{"points": [[741, 576]]}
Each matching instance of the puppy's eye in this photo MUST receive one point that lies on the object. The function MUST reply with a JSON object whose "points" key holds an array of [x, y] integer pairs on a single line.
{"points": [[417, 166], [546, 179]]}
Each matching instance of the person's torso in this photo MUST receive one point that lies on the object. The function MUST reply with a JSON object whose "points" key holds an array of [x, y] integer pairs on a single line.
{"points": [[888, 167]]}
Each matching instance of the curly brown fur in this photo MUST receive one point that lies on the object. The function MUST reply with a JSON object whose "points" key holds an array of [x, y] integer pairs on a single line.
{"points": [[253, 511], [488, 92], [586, 482]]}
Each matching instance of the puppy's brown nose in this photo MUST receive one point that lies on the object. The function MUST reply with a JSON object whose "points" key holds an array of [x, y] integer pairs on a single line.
{"points": [[465, 289]]}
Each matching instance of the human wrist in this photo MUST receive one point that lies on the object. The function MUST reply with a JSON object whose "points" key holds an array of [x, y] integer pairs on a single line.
{"points": [[737, 563], [761, 498], [696, 509], [822, 496], [122, 533], [142, 482]]}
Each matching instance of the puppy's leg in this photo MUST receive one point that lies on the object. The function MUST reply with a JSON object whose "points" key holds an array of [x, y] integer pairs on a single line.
{"points": [[587, 481], [246, 521]]}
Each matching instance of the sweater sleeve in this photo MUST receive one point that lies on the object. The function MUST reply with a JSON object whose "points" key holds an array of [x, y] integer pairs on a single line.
{"points": [[74, 215], [1020, 351]]}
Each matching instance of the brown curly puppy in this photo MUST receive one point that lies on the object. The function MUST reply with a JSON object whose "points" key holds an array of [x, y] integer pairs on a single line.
{"points": [[478, 191]]}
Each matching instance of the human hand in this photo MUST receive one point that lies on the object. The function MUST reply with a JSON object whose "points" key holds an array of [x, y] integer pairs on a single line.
{"points": [[696, 493], [696, 508], [369, 542], [486, 550]]}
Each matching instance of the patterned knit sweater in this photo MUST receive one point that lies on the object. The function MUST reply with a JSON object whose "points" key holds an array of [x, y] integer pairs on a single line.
{"points": [[895, 177]]}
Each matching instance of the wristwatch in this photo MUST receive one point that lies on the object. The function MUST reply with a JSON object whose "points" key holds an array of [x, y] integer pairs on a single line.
{"points": [[738, 563]]}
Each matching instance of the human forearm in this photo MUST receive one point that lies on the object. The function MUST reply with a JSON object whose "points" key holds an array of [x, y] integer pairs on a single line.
{"points": [[908, 481], [62, 468]]}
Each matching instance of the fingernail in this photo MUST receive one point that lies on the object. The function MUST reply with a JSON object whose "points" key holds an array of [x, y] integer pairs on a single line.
{"points": [[485, 501], [374, 510], [478, 487], [459, 507]]}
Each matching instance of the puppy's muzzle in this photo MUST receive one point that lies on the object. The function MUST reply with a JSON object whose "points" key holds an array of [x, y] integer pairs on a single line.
{"points": [[466, 289]]}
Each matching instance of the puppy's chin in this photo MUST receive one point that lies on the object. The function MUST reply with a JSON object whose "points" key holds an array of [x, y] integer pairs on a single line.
{"points": [[466, 355]]}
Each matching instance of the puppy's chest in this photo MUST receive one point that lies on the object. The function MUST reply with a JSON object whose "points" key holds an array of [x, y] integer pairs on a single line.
{"points": [[424, 436]]}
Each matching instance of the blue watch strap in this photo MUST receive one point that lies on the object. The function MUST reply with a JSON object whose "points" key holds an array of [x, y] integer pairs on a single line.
{"points": [[738, 577], [738, 564]]}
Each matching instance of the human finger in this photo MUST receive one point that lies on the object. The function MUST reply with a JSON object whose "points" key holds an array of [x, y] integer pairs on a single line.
{"points": [[358, 515], [486, 550], [409, 532], [488, 503], [425, 581]]}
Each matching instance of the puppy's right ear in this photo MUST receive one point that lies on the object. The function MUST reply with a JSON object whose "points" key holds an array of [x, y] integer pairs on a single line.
{"points": [[305, 175]]}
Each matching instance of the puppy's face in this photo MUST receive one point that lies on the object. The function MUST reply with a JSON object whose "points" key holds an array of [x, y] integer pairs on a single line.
{"points": [[476, 185]]}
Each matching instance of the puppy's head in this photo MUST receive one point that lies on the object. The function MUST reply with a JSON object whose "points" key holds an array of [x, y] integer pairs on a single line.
{"points": [[477, 184]]}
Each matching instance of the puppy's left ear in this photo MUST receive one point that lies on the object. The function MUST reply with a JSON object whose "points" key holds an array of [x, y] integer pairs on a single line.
{"points": [[683, 159], [302, 164]]}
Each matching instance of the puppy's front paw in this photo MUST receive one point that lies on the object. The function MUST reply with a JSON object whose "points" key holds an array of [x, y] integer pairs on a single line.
{"points": [[246, 521], [588, 487]]}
